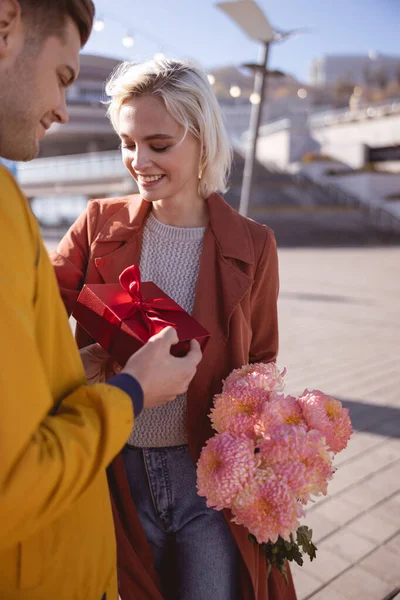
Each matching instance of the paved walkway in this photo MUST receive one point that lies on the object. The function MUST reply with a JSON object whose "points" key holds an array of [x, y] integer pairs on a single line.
{"points": [[340, 332]]}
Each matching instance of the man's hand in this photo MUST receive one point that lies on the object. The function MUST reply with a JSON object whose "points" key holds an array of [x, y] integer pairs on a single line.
{"points": [[161, 375]]}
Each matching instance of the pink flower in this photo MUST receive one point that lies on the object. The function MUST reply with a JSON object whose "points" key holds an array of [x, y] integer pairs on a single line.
{"points": [[271, 453], [300, 459], [265, 376], [328, 416], [237, 411], [280, 410], [226, 465], [267, 507]]}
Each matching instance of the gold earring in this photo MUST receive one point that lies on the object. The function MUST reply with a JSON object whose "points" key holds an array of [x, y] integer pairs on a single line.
{"points": [[200, 173]]}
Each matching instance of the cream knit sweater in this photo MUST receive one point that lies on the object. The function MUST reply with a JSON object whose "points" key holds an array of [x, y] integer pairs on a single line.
{"points": [[170, 258]]}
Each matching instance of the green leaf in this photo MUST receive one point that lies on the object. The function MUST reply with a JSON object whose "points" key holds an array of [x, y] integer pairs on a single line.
{"points": [[281, 552], [288, 545], [295, 554], [304, 539]]}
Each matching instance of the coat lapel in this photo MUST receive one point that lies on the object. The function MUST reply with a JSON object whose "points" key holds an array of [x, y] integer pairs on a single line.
{"points": [[119, 243], [221, 285]]}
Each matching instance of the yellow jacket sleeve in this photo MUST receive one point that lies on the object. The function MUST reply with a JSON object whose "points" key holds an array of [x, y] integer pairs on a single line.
{"points": [[47, 461]]}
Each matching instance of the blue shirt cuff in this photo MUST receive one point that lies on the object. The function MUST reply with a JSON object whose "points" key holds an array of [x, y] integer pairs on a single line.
{"points": [[132, 387]]}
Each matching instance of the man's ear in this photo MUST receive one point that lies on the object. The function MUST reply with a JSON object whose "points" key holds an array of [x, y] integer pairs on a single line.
{"points": [[10, 23]]}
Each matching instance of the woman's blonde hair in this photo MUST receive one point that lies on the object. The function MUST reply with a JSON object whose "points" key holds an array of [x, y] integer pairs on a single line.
{"points": [[189, 99]]}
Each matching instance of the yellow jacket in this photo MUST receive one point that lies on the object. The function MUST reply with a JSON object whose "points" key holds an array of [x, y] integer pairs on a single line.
{"points": [[57, 435]]}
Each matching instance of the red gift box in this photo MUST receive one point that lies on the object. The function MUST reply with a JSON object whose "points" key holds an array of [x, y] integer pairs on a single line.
{"points": [[121, 317]]}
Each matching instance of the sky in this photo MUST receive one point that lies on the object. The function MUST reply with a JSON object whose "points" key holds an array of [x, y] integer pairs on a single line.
{"points": [[197, 29]]}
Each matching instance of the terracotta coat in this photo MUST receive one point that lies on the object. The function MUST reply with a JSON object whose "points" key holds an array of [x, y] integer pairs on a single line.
{"points": [[236, 300]]}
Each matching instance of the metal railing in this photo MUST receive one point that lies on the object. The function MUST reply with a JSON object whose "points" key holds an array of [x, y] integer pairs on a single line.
{"points": [[318, 118], [97, 166], [376, 213], [345, 115]]}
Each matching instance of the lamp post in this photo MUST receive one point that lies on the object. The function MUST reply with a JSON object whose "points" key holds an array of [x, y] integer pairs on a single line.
{"points": [[255, 120], [251, 19]]}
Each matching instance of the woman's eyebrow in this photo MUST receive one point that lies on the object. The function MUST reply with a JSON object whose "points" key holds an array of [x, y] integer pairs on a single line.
{"points": [[154, 136]]}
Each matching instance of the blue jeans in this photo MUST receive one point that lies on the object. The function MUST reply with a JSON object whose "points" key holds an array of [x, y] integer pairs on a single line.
{"points": [[194, 551]]}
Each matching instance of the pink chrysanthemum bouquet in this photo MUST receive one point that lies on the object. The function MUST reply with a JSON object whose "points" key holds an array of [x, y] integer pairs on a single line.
{"points": [[270, 455]]}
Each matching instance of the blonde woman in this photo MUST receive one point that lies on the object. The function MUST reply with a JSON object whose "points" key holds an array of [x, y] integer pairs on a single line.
{"points": [[220, 267]]}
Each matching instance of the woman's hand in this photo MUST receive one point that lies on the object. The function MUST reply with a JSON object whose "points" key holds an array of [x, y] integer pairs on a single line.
{"points": [[98, 364]]}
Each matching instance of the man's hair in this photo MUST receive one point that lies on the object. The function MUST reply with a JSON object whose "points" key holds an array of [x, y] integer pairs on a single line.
{"points": [[45, 18]]}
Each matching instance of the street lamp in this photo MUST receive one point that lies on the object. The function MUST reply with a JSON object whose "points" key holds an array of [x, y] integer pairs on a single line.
{"points": [[251, 19], [235, 91], [128, 40], [255, 98], [98, 25]]}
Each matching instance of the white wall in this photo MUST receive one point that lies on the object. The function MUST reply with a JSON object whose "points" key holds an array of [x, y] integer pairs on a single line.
{"points": [[274, 148], [345, 141]]}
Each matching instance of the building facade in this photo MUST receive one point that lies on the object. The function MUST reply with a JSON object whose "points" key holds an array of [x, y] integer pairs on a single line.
{"points": [[371, 69]]}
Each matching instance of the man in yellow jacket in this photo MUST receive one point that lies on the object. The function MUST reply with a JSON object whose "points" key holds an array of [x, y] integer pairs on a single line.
{"points": [[57, 434]]}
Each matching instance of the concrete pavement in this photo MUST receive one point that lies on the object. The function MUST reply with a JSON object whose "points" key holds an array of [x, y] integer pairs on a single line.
{"points": [[340, 332]]}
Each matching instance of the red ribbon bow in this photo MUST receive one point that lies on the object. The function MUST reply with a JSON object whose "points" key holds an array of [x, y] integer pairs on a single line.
{"points": [[152, 320]]}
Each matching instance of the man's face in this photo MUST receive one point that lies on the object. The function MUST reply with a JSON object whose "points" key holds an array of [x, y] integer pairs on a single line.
{"points": [[33, 86]]}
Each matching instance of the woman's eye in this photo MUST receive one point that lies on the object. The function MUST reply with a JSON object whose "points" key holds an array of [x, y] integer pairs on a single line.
{"points": [[133, 147]]}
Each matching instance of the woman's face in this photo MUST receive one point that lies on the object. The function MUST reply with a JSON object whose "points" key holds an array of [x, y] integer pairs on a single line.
{"points": [[164, 166]]}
